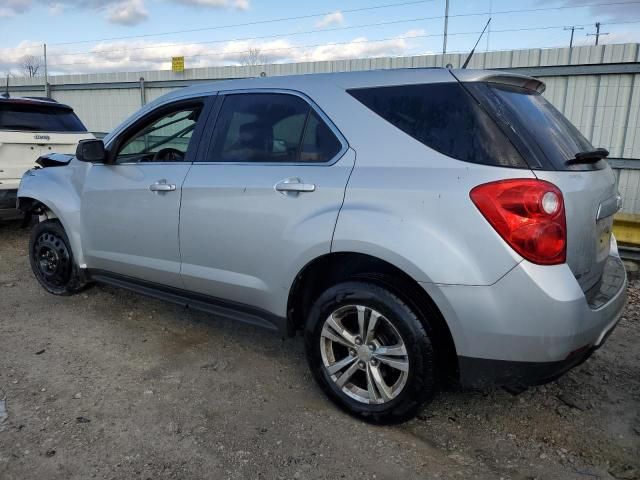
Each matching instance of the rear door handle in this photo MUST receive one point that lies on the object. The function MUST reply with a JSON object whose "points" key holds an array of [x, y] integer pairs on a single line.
{"points": [[294, 186], [162, 186]]}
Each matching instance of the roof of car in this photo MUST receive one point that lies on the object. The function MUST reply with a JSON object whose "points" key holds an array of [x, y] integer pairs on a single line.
{"points": [[349, 80], [41, 101]]}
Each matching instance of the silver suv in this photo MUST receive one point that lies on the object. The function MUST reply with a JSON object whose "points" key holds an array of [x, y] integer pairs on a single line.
{"points": [[417, 225]]}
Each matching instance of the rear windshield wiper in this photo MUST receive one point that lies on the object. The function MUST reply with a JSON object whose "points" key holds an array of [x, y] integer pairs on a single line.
{"points": [[589, 156]]}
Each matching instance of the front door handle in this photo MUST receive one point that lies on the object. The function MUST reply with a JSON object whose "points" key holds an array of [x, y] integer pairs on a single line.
{"points": [[162, 186], [294, 186]]}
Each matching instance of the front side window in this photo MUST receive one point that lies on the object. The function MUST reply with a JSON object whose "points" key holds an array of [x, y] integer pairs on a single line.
{"points": [[163, 139], [29, 117], [270, 128], [444, 117]]}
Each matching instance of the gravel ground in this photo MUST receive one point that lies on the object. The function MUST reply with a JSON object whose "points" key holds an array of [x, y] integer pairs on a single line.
{"points": [[108, 384]]}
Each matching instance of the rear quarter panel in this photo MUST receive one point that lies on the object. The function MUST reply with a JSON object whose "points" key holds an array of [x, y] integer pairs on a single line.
{"points": [[409, 205]]}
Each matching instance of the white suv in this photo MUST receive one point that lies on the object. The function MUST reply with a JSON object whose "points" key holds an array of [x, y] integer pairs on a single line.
{"points": [[30, 128]]}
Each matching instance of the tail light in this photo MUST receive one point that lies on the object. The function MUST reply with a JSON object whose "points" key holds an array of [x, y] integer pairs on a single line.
{"points": [[528, 214]]}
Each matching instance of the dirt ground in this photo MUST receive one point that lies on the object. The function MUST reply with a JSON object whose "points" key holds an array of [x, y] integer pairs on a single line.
{"points": [[109, 384]]}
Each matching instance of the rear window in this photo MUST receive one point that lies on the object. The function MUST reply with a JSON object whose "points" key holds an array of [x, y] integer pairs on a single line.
{"points": [[444, 117], [39, 118], [549, 139]]}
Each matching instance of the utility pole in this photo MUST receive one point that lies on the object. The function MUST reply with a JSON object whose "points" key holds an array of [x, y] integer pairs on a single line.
{"points": [[46, 75], [489, 30], [597, 34], [446, 27], [572, 28]]}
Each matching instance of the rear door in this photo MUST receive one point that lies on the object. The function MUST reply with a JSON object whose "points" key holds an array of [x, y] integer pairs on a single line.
{"points": [[264, 200], [130, 207]]}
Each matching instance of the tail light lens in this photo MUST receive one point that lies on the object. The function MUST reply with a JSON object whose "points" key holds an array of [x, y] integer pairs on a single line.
{"points": [[529, 215]]}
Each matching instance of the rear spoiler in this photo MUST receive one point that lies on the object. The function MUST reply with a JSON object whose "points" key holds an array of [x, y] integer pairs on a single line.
{"points": [[503, 78]]}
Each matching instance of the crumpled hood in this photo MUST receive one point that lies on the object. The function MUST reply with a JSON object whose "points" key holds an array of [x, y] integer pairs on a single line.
{"points": [[54, 160]]}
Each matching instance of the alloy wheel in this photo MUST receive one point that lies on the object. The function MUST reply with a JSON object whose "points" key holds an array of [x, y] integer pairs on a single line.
{"points": [[364, 354]]}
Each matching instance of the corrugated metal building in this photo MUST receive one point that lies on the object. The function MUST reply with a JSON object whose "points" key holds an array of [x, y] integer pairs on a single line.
{"points": [[596, 87]]}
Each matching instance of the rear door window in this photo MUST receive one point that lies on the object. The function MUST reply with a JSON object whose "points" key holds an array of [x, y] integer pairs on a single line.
{"points": [[270, 128], [39, 118], [444, 117]]}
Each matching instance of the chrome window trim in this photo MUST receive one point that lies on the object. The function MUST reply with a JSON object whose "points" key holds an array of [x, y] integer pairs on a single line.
{"points": [[344, 144], [140, 163]]}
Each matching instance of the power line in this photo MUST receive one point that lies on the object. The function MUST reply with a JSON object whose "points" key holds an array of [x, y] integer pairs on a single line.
{"points": [[242, 39], [248, 24], [358, 42], [354, 10], [291, 34]]}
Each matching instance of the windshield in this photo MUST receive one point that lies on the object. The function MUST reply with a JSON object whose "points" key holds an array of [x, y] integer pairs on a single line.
{"points": [[39, 118], [546, 137]]}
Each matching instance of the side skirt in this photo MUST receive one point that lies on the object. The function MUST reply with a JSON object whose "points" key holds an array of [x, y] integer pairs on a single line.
{"points": [[223, 308]]}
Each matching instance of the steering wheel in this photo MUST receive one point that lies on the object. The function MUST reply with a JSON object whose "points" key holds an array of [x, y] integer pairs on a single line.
{"points": [[168, 155]]}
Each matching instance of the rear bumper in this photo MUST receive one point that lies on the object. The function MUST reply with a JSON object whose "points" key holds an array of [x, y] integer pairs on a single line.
{"points": [[8, 198], [531, 326]]}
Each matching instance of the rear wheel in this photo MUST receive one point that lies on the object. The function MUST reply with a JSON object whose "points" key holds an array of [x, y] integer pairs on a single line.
{"points": [[52, 260], [369, 352]]}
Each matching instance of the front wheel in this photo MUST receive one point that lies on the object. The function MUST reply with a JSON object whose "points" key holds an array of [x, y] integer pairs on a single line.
{"points": [[369, 352], [52, 260]]}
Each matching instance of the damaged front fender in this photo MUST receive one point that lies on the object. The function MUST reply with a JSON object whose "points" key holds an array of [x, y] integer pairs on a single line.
{"points": [[55, 193]]}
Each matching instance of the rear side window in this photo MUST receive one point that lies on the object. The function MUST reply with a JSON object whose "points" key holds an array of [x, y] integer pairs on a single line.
{"points": [[549, 139], [270, 128], [39, 118], [444, 117]]}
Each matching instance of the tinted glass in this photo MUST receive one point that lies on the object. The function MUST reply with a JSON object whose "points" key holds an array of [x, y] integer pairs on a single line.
{"points": [[39, 118], [542, 123], [270, 127], [319, 143], [444, 117], [164, 139]]}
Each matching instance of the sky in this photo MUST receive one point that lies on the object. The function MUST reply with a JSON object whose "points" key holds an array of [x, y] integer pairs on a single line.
{"points": [[138, 35]]}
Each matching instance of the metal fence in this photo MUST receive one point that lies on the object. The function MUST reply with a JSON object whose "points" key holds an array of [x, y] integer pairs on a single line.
{"points": [[596, 87]]}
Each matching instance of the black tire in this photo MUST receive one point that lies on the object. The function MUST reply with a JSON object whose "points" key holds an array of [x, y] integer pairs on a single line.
{"points": [[420, 380], [52, 260]]}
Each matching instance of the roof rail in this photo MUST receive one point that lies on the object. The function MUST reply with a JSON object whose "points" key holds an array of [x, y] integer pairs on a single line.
{"points": [[44, 99]]}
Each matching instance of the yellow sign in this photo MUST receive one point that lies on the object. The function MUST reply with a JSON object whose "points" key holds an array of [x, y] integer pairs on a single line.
{"points": [[177, 64]]}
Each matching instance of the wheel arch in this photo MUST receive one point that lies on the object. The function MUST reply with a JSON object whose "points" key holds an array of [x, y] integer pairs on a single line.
{"points": [[326, 270], [31, 204]]}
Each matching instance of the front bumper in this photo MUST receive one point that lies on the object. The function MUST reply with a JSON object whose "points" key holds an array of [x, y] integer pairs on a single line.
{"points": [[532, 325]]}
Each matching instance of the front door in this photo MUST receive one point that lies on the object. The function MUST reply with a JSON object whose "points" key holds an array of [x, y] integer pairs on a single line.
{"points": [[130, 206], [264, 200]]}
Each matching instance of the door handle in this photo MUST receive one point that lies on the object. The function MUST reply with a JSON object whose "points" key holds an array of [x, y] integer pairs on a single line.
{"points": [[162, 186], [294, 186]]}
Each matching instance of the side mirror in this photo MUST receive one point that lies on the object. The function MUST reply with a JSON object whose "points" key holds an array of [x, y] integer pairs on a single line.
{"points": [[91, 150]]}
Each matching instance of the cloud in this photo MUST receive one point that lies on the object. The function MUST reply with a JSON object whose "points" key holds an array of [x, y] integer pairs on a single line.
{"points": [[123, 12], [10, 8], [602, 11], [239, 4], [335, 18], [127, 12], [56, 9], [145, 55]]}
